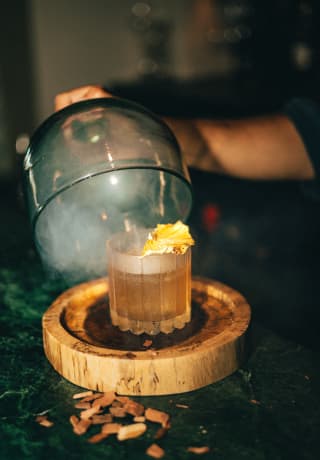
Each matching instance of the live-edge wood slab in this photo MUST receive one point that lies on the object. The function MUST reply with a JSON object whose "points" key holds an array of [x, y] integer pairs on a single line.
{"points": [[83, 346]]}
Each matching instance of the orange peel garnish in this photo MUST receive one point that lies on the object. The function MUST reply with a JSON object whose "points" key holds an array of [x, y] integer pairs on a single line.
{"points": [[168, 239]]}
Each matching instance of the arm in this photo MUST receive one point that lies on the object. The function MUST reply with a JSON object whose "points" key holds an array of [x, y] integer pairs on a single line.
{"points": [[253, 148]]}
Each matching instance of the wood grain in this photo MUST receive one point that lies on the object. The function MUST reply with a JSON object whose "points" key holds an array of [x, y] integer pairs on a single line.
{"points": [[83, 346]]}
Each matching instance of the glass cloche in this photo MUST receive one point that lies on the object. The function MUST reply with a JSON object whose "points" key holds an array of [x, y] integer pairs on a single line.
{"points": [[95, 168]]}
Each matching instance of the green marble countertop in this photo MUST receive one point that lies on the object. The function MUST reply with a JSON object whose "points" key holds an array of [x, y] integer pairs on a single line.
{"points": [[269, 409]]}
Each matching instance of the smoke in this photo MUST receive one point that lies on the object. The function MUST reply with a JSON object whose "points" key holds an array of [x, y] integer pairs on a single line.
{"points": [[72, 230]]}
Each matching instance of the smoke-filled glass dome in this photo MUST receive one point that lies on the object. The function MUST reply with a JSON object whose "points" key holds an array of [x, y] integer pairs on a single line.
{"points": [[95, 168]]}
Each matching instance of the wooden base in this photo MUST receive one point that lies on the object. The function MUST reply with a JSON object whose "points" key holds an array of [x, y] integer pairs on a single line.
{"points": [[86, 349]]}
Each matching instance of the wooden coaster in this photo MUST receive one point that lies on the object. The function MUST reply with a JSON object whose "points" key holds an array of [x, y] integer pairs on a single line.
{"points": [[83, 346]]}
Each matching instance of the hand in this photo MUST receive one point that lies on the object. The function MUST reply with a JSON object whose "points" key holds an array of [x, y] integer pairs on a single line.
{"points": [[79, 94]]}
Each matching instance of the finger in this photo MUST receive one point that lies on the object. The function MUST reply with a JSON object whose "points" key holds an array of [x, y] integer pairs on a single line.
{"points": [[69, 97], [96, 92], [79, 94], [62, 100]]}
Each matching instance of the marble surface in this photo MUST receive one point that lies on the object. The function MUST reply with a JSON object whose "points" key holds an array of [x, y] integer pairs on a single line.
{"points": [[269, 409]]}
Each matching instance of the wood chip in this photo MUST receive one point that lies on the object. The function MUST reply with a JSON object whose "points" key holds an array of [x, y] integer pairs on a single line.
{"points": [[134, 408], [100, 419], [161, 432], [147, 343], [139, 418], [82, 394], [105, 400], [198, 450], [131, 431], [117, 404], [155, 451], [92, 397], [47, 423], [111, 428], [86, 414], [182, 406], [74, 420], [157, 416], [123, 399], [81, 427], [118, 411], [43, 421], [97, 438], [82, 405]]}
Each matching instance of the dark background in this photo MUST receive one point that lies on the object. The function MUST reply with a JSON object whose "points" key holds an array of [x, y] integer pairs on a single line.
{"points": [[187, 57]]}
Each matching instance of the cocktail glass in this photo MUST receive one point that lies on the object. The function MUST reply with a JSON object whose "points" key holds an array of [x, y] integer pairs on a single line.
{"points": [[148, 294]]}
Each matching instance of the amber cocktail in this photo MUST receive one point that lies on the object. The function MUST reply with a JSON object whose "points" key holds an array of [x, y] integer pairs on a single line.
{"points": [[148, 294]]}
